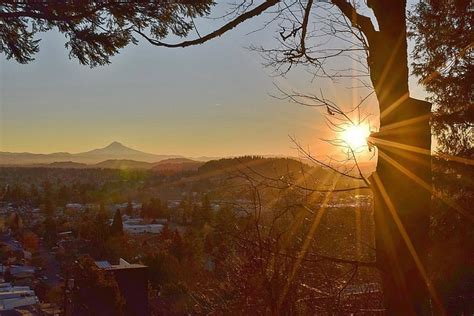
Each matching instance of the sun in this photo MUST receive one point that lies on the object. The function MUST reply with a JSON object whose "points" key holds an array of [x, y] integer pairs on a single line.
{"points": [[356, 136]]}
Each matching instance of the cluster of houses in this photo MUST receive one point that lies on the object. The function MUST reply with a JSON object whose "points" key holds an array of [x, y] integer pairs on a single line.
{"points": [[17, 294], [15, 297], [138, 226], [19, 278], [17, 283]]}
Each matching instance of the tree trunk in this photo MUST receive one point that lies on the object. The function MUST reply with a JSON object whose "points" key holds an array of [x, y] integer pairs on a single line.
{"points": [[403, 177], [397, 182]]}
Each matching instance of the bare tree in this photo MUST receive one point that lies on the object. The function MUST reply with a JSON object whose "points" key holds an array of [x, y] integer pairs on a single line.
{"points": [[402, 181], [290, 254]]}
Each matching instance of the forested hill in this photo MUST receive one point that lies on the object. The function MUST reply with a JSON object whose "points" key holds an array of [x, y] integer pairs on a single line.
{"points": [[258, 167], [260, 164]]}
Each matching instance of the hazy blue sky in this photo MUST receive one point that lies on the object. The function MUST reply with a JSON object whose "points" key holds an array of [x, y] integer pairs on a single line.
{"points": [[207, 100]]}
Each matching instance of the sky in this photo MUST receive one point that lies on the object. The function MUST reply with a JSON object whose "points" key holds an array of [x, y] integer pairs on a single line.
{"points": [[211, 100]]}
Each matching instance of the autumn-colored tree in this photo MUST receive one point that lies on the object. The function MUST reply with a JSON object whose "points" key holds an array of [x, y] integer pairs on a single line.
{"points": [[48, 207], [15, 222], [55, 295], [30, 241]]}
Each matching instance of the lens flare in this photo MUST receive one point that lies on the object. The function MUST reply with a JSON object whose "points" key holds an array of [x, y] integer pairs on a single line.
{"points": [[356, 136]]}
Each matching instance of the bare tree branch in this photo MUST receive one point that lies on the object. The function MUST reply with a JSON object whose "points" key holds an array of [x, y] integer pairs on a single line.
{"points": [[362, 22], [232, 24]]}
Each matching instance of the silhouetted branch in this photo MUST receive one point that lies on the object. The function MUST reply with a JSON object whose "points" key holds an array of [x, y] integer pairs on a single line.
{"points": [[358, 20], [227, 27], [289, 184]]}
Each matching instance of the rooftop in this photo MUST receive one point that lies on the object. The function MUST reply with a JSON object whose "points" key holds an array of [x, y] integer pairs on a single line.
{"points": [[12, 297], [123, 264]]}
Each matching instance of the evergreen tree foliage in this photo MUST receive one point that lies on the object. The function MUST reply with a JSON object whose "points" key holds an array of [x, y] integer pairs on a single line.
{"points": [[95, 30], [443, 61], [117, 225], [129, 209]]}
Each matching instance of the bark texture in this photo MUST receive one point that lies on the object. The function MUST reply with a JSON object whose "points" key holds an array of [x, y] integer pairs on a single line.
{"points": [[402, 181]]}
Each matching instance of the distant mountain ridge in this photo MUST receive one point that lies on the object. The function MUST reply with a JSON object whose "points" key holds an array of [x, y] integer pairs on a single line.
{"points": [[113, 151], [119, 156]]}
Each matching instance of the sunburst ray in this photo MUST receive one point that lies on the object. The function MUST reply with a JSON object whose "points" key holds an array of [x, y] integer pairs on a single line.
{"points": [[426, 186], [307, 242], [407, 241], [418, 150]]}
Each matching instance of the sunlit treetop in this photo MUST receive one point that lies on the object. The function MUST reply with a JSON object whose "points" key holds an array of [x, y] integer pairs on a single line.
{"points": [[94, 30]]}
